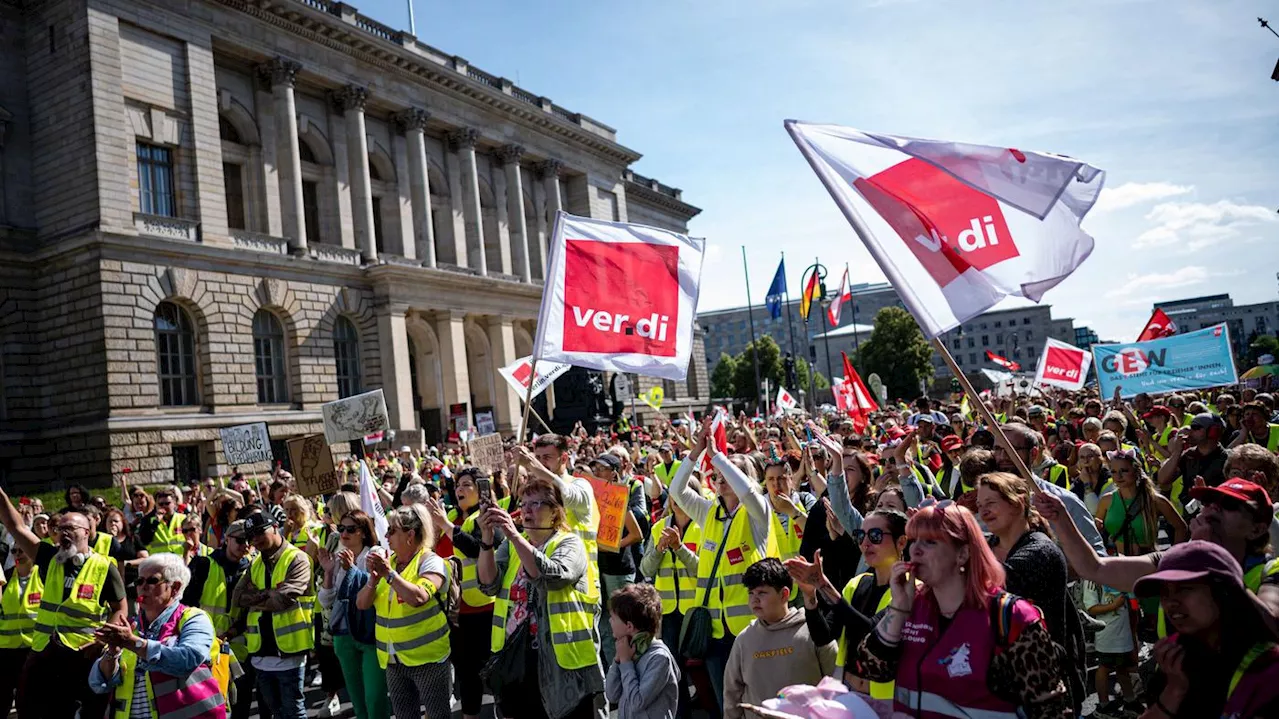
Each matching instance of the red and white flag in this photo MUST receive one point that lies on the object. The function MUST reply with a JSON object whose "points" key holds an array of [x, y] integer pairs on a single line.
{"points": [[520, 373], [619, 297], [719, 439], [956, 228], [1003, 362], [852, 397], [1158, 326], [843, 296], [1063, 365], [785, 401]]}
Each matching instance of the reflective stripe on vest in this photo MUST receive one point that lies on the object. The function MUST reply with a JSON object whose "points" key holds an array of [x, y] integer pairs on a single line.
{"points": [[670, 569], [292, 627], [215, 601], [75, 618], [18, 612], [789, 535], [1058, 476], [1253, 578], [879, 690], [195, 696], [572, 617], [728, 598], [413, 636], [168, 537], [936, 705], [471, 594], [585, 528], [1247, 661]]}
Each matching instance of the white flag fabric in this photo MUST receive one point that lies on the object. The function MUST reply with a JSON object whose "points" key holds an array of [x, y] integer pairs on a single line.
{"points": [[619, 297], [518, 374], [371, 505], [785, 401], [955, 227], [1063, 365], [833, 310]]}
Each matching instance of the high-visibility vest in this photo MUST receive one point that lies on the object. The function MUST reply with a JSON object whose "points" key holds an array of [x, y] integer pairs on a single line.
{"points": [[585, 528], [18, 610], [471, 593], [1273, 438], [300, 540], [102, 544], [168, 537], [789, 533], [672, 574], [1246, 662], [665, 475], [215, 600], [728, 598], [292, 627], [1057, 475], [572, 617], [194, 696], [412, 635], [75, 618], [879, 690]]}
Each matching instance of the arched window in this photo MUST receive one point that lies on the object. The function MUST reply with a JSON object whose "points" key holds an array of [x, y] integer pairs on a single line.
{"points": [[268, 359], [346, 355], [228, 131], [176, 356]]}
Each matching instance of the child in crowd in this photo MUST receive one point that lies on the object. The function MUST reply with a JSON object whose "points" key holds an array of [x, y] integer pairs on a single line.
{"points": [[643, 681], [1114, 647]]}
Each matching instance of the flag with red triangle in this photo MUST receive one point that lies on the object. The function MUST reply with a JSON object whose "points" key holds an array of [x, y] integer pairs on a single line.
{"points": [[1158, 326], [843, 296], [855, 397]]}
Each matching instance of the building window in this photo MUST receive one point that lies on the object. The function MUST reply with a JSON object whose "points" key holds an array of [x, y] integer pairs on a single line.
{"points": [[186, 463], [983, 326], [986, 340], [1026, 320], [998, 324], [1029, 335], [346, 354], [955, 344], [268, 359], [231, 178], [176, 355], [959, 361], [378, 247], [970, 342], [1017, 354], [973, 358], [155, 180], [311, 210], [999, 340]]}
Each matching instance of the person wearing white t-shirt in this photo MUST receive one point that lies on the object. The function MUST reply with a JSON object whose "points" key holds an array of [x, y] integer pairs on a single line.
{"points": [[1113, 645]]}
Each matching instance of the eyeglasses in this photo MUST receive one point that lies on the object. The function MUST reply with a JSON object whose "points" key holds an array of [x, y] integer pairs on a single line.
{"points": [[147, 582], [534, 505], [874, 535], [70, 528], [348, 529], [189, 529], [931, 502]]}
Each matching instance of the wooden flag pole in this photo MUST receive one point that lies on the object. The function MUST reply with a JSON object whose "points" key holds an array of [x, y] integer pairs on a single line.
{"points": [[976, 401], [528, 400]]}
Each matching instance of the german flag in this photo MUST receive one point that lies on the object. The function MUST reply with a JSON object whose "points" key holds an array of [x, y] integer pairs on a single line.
{"points": [[811, 291]]}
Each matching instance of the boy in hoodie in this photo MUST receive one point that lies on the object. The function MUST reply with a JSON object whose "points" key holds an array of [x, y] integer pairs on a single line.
{"points": [[776, 650], [643, 681]]}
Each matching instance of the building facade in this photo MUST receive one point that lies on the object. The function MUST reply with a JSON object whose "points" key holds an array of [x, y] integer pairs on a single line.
{"points": [[229, 211], [1244, 322], [1016, 334]]}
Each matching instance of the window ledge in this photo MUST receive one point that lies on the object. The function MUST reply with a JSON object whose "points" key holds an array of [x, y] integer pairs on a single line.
{"points": [[169, 228], [258, 242], [332, 253]]}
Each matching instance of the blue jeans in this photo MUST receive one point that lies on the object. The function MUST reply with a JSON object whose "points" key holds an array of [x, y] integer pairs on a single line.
{"points": [[282, 691], [609, 583], [715, 662]]}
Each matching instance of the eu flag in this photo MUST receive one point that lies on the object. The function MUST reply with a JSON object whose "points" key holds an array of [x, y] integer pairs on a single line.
{"points": [[776, 290]]}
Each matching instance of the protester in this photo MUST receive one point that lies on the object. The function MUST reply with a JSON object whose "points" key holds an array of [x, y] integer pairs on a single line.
{"points": [[549, 460], [212, 583], [643, 678], [161, 529], [1130, 513], [672, 561], [1114, 645], [617, 566], [19, 605], [345, 573]]}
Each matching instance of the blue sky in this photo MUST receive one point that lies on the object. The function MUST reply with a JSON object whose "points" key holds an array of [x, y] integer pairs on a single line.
{"points": [[1172, 98]]}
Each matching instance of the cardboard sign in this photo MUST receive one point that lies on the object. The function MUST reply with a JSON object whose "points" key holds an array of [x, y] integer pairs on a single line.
{"points": [[246, 443], [486, 452], [313, 467], [355, 417], [611, 499]]}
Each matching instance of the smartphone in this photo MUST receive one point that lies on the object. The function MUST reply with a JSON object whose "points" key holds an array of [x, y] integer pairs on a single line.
{"points": [[485, 489]]}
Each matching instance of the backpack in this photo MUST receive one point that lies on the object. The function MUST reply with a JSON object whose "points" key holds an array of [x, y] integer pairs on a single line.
{"points": [[1002, 618], [452, 600]]}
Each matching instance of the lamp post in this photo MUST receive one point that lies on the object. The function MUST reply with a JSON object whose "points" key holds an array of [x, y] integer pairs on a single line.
{"points": [[821, 271]]}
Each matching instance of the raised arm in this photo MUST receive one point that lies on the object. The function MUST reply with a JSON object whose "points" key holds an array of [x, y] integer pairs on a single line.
{"points": [[686, 497], [753, 501], [1118, 572], [12, 520]]}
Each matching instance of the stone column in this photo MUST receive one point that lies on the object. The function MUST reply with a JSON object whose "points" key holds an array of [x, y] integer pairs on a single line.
{"points": [[397, 382], [517, 228], [549, 173], [351, 100], [282, 73], [502, 348], [463, 141], [455, 384], [211, 193], [414, 122]]}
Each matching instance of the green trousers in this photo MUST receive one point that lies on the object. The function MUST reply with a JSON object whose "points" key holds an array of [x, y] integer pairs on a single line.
{"points": [[366, 681]]}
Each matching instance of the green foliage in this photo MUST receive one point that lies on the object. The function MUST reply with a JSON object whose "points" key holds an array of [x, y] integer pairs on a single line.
{"points": [[898, 352], [722, 377], [744, 380], [1263, 345]]}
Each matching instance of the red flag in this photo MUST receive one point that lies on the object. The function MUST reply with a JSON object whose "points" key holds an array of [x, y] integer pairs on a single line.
{"points": [[862, 404], [1003, 361], [1158, 326], [719, 438], [843, 296]]}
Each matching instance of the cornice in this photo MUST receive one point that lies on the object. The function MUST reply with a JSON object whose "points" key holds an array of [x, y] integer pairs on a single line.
{"points": [[666, 202]]}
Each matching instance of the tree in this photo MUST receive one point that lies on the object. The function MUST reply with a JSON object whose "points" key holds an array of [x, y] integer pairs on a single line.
{"points": [[898, 352], [819, 382], [1263, 345], [770, 368], [722, 377]]}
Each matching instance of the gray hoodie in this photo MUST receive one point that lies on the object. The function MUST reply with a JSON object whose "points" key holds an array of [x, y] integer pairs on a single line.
{"points": [[646, 688], [768, 657]]}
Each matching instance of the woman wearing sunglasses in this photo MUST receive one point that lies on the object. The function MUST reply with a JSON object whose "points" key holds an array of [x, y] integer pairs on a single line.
{"points": [[959, 645], [346, 570], [849, 615]]}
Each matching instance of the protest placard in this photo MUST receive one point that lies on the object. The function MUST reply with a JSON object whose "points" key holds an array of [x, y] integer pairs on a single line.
{"points": [[355, 417], [485, 423], [1062, 365], [246, 443], [313, 467], [1194, 360], [486, 452], [611, 500]]}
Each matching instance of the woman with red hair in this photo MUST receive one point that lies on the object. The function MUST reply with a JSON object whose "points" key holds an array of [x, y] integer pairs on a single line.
{"points": [[961, 645]]}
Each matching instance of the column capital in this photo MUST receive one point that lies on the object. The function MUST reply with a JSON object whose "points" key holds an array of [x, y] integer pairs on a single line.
{"points": [[449, 315], [510, 154], [279, 70], [350, 97], [464, 138], [413, 118], [549, 168]]}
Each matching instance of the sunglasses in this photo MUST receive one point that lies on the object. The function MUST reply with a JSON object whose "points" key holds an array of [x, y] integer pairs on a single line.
{"points": [[347, 529], [931, 502], [875, 535], [147, 582]]}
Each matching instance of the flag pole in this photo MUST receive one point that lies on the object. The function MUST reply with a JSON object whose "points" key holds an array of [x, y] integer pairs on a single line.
{"points": [[755, 348], [791, 330], [826, 337], [804, 289], [854, 310]]}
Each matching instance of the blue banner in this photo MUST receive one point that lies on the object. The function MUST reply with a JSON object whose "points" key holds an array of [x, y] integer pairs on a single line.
{"points": [[1194, 360]]}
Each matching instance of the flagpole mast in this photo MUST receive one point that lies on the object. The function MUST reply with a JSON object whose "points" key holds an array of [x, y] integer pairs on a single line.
{"points": [[804, 289], [755, 348], [853, 309], [826, 343], [791, 330]]}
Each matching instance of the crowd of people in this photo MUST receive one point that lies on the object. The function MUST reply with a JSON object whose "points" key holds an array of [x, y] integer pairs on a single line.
{"points": [[936, 563]]}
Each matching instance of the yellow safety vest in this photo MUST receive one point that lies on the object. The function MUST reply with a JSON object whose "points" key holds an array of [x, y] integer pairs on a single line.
{"points": [[585, 528], [663, 474], [292, 627], [102, 544], [300, 540], [728, 598], [572, 617], [168, 537], [215, 601], [18, 611], [128, 663], [75, 618], [1057, 475], [879, 690], [673, 575], [413, 636], [789, 533], [471, 594]]}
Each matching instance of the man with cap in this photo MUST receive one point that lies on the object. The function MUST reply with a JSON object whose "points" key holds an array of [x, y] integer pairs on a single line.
{"points": [[925, 410], [948, 476], [213, 581], [666, 468], [1204, 458], [278, 628], [1036, 417]]}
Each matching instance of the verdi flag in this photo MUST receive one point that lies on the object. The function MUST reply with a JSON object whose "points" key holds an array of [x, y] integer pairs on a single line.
{"points": [[1062, 365], [955, 227], [778, 288], [371, 505]]}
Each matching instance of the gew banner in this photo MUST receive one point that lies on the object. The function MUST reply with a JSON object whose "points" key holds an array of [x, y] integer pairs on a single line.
{"points": [[1194, 360]]}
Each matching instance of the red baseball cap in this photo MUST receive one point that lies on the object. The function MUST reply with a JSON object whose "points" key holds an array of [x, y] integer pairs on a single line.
{"points": [[1158, 409], [1240, 489], [895, 433], [951, 442]]}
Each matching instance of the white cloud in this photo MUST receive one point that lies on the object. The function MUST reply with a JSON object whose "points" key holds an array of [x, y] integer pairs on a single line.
{"points": [[1136, 193], [1138, 289], [1197, 225]]}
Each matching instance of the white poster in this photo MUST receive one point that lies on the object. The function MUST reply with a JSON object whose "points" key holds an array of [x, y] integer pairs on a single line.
{"points": [[355, 417], [246, 443], [520, 373], [484, 423]]}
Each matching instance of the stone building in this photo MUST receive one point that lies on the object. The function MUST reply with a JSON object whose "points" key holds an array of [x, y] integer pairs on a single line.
{"points": [[225, 211]]}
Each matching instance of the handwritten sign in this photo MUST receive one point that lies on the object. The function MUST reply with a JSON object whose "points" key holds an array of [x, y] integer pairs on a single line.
{"points": [[612, 501], [246, 443], [313, 467], [355, 417], [486, 452]]}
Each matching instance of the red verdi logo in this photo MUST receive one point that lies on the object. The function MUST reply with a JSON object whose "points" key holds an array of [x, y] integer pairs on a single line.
{"points": [[949, 226], [621, 297], [1062, 363]]}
